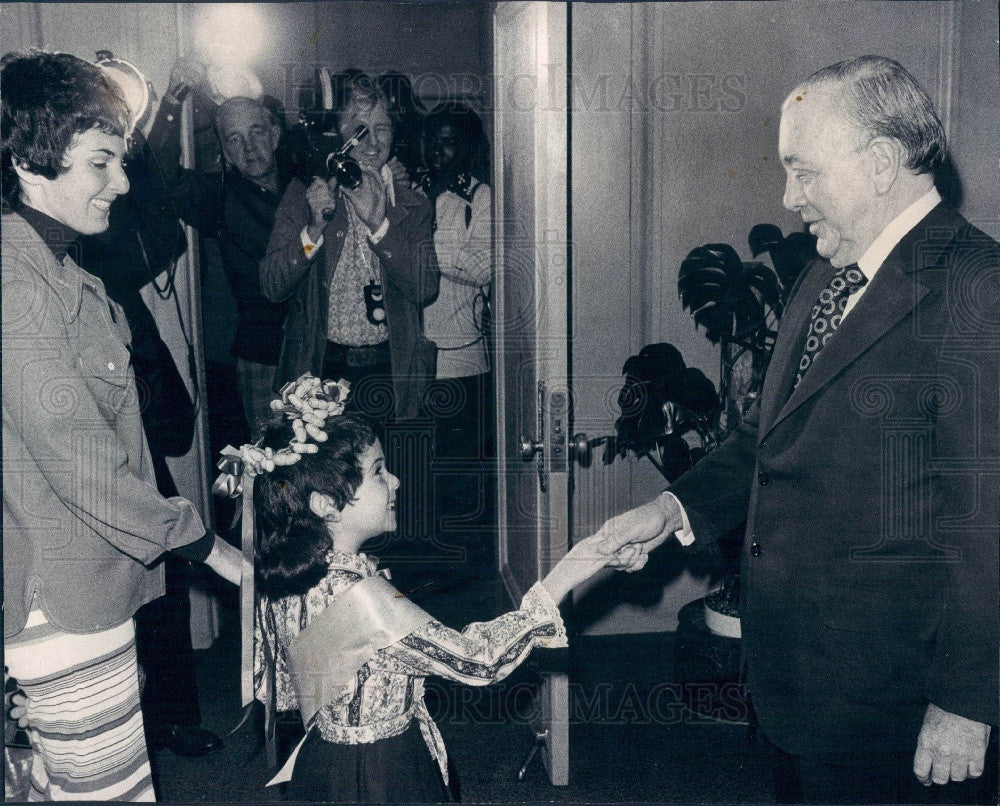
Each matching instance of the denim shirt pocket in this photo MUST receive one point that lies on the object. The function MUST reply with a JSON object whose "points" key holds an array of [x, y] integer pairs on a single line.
{"points": [[103, 361]]}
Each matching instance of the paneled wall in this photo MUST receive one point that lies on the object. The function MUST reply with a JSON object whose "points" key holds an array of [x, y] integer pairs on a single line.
{"points": [[675, 115], [975, 112]]}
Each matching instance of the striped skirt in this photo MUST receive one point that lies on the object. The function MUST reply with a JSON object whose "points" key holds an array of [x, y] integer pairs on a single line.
{"points": [[85, 722]]}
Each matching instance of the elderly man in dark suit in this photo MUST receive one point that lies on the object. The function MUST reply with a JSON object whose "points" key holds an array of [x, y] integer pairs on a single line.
{"points": [[870, 472]]}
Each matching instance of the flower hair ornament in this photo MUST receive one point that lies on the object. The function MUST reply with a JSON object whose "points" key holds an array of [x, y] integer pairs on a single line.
{"points": [[308, 402]]}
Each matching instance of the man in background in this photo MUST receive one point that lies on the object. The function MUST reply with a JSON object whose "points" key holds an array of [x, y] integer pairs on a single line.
{"points": [[237, 207]]}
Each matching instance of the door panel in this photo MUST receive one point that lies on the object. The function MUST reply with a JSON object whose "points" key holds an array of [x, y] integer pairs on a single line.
{"points": [[532, 356]]}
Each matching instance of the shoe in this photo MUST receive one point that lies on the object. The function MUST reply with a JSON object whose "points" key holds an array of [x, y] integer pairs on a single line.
{"points": [[190, 741]]}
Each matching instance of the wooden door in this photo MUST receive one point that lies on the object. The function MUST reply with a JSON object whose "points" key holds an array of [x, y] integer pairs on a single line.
{"points": [[532, 361]]}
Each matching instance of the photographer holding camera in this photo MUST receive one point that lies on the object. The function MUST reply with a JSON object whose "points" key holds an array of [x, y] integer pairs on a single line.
{"points": [[356, 312], [237, 207]]}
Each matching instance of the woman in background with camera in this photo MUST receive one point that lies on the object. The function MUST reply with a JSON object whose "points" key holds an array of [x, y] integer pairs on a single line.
{"points": [[455, 177]]}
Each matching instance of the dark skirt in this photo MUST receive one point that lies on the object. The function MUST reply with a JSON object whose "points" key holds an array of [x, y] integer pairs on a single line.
{"points": [[395, 770]]}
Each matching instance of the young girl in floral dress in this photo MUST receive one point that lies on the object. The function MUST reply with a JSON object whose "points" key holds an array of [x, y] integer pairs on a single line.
{"points": [[336, 640]]}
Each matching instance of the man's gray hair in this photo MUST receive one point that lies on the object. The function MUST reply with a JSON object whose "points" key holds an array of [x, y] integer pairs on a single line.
{"points": [[239, 100], [888, 102]]}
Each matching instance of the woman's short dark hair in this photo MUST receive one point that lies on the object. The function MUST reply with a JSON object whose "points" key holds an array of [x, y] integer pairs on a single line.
{"points": [[49, 98], [294, 541], [474, 148]]}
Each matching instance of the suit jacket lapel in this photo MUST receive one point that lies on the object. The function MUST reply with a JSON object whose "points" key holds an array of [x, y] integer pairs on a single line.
{"points": [[893, 294], [791, 337]]}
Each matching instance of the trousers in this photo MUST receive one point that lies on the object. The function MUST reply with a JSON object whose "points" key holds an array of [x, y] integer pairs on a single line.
{"points": [[85, 721]]}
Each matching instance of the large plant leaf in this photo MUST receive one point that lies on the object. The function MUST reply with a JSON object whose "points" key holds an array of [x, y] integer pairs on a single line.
{"points": [[652, 377], [727, 297], [659, 395], [790, 255], [764, 282], [698, 394], [655, 361], [763, 238]]}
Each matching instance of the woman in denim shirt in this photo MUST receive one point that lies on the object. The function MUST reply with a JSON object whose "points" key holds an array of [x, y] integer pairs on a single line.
{"points": [[83, 523]]}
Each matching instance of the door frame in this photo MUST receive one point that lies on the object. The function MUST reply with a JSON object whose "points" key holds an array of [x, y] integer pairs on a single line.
{"points": [[550, 355]]}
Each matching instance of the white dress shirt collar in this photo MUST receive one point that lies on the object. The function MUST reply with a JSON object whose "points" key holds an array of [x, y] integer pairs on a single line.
{"points": [[875, 255]]}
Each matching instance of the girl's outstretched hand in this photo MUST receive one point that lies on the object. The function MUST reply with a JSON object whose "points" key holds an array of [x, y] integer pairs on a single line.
{"points": [[585, 559]]}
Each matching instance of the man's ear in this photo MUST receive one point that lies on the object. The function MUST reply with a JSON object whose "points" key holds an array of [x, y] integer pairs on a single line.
{"points": [[275, 137], [322, 506], [887, 157]]}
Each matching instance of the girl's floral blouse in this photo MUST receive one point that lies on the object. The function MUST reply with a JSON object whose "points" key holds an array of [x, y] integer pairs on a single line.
{"points": [[388, 690]]}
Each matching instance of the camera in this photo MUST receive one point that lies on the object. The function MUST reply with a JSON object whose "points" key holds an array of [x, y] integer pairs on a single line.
{"points": [[329, 156]]}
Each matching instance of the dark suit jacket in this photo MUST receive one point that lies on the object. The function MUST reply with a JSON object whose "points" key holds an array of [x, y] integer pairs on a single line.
{"points": [[870, 566], [411, 281]]}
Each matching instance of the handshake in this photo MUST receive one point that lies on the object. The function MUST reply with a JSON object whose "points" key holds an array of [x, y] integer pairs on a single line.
{"points": [[623, 542]]}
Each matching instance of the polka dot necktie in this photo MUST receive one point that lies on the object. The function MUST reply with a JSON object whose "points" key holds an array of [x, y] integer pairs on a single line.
{"points": [[828, 312]]}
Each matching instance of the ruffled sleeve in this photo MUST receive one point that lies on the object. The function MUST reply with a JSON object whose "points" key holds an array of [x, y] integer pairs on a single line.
{"points": [[482, 653]]}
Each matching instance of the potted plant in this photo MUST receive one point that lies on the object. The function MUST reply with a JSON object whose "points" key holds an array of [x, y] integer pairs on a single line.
{"points": [[739, 304], [671, 414]]}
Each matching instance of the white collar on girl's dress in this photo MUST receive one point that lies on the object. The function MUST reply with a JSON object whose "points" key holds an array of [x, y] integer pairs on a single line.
{"points": [[359, 563]]}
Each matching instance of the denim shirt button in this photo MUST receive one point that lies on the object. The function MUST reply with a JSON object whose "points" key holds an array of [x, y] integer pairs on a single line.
{"points": [[111, 365]]}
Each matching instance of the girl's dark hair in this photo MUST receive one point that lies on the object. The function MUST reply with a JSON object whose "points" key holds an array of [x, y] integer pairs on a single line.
{"points": [[47, 99], [474, 147], [294, 541]]}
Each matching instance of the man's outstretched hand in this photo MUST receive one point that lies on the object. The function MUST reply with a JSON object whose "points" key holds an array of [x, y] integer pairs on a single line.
{"points": [[647, 526], [949, 747]]}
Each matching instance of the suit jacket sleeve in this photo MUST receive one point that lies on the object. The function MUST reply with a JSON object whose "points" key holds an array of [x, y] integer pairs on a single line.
{"points": [[963, 677], [715, 493]]}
